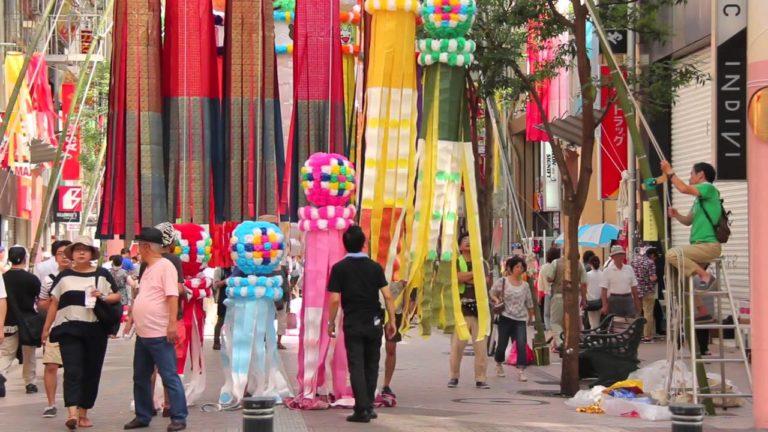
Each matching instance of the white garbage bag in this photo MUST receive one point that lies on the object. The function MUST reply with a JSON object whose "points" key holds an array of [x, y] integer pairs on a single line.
{"points": [[585, 398]]}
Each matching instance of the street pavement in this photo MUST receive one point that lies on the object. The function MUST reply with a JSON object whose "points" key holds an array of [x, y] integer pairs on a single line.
{"points": [[424, 401]]}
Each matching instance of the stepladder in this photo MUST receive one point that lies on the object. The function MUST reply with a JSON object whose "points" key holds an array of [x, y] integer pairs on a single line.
{"points": [[698, 311]]}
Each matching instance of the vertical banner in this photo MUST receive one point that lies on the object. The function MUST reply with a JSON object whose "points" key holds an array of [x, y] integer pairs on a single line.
{"points": [[550, 177], [731, 89], [71, 169], [613, 148]]}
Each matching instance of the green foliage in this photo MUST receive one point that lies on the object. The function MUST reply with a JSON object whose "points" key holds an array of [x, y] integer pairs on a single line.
{"points": [[502, 29], [93, 122]]}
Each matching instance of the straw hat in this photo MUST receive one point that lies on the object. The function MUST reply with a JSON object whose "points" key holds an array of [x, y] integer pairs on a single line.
{"points": [[82, 241]]}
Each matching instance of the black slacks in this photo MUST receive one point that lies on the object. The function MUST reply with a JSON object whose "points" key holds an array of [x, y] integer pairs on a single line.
{"points": [[82, 358], [363, 354]]}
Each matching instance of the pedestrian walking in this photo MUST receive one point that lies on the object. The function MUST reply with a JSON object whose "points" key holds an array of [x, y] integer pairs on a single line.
{"points": [[355, 282], [594, 292], [556, 276], [155, 315], [469, 310], [645, 272], [220, 285], [619, 286], [22, 288], [515, 294], [125, 285], [545, 286], [72, 322], [51, 351]]}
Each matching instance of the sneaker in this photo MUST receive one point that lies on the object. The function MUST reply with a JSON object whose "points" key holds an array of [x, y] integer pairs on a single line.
{"points": [[521, 376], [453, 383], [49, 412], [500, 370], [482, 385], [372, 414], [31, 388], [176, 426], [387, 391]]}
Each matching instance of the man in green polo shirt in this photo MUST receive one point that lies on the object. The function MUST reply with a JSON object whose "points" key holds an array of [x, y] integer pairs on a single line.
{"points": [[703, 219]]}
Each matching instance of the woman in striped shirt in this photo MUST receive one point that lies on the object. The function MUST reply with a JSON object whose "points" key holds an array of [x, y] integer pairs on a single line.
{"points": [[73, 324]]}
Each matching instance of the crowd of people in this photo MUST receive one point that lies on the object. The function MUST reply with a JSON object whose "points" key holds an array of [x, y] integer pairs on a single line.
{"points": [[75, 305]]}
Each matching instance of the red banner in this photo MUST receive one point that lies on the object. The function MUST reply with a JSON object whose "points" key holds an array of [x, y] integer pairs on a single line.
{"points": [[71, 152], [613, 149]]}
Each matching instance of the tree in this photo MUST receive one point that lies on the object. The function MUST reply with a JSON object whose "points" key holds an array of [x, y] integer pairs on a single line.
{"points": [[503, 29], [93, 126]]}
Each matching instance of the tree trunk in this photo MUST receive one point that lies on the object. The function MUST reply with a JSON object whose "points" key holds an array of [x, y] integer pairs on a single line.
{"points": [[569, 378]]}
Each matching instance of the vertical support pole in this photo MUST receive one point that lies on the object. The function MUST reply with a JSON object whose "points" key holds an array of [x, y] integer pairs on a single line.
{"points": [[631, 157]]}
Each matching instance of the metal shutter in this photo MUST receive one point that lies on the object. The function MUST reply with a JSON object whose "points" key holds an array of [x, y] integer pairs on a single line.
{"points": [[692, 142]]}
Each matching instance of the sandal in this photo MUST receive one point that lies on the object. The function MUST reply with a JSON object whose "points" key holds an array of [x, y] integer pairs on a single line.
{"points": [[71, 423]]}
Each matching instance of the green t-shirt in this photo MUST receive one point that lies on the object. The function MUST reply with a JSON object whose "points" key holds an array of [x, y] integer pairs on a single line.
{"points": [[702, 231]]}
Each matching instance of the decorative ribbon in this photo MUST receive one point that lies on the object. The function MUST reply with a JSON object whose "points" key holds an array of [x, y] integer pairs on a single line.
{"points": [[454, 52], [193, 319], [392, 5], [325, 218]]}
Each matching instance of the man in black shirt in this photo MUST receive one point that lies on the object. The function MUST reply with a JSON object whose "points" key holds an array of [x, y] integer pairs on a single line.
{"points": [[22, 288], [355, 281]]}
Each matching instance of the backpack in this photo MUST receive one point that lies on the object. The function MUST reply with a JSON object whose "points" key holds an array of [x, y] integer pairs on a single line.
{"points": [[723, 227]]}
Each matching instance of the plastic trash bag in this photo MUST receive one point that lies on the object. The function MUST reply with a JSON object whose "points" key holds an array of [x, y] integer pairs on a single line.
{"points": [[586, 397], [635, 408]]}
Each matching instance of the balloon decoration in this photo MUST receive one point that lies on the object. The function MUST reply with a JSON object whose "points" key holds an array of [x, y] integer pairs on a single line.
{"points": [[193, 247], [328, 181], [248, 339]]}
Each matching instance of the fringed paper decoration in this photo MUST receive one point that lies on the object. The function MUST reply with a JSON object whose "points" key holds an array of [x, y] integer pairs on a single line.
{"points": [[328, 181], [191, 119], [42, 99], [21, 127], [446, 164], [283, 16], [134, 187], [390, 127], [317, 123], [252, 128], [249, 354], [193, 246]]}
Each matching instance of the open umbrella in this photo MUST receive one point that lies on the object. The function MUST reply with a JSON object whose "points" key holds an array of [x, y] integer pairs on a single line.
{"points": [[597, 235]]}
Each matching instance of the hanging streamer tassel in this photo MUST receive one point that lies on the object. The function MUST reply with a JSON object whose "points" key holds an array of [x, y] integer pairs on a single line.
{"points": [[191, 122], [390, 125], [134, 187]]}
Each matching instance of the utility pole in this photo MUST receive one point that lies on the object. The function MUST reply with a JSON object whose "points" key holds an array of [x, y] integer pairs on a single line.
{"points": [[631, 157]]}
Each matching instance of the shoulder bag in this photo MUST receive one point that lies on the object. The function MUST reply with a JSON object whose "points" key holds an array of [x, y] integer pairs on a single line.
{"points": [[499, 308], [108, 314], [30, 325], [723, 227]]}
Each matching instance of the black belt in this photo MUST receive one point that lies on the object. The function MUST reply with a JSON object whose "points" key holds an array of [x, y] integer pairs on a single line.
{"points": [[621, 295]]}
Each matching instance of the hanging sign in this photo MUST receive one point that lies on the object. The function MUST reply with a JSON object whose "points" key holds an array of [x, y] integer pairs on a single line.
{"points": [[70, 204], [731, 89], [71, 151], [614, 140], [650, 232], [550, 174], [617, 40]]}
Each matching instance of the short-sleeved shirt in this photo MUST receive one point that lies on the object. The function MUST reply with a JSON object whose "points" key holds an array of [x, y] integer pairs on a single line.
{"points": [[121, 280], [556, 271], [517, 298], [619, 282], [44, 268], [22, 288], [644, 268], [47, 286], [70, 287], [594, 279], [358, 280], [702, 230], [150, 309]]}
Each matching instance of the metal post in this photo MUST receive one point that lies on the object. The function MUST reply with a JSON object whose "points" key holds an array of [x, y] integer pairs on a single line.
{"points": [[687, 417], [631, 157], [258, 414]]}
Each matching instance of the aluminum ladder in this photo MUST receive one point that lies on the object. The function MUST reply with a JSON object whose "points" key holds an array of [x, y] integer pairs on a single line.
{"points": [[720, 291]]}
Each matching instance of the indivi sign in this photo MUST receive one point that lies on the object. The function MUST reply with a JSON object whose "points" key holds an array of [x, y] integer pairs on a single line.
{"points": [[731, 89]]}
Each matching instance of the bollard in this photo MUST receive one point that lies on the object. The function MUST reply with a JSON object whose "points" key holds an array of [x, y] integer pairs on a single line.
{"points": [[687, 417], [258, 414]]}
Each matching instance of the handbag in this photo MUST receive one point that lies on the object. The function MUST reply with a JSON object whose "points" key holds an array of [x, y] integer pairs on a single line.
{"points": [[499, 308], [291, 321], [594, 305], [512, 357], [30, 325], [109, 315]]}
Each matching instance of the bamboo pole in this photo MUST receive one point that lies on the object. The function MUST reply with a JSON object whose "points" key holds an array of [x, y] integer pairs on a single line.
{"points": [[98, 175], [65, 135], [24, 66]]}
